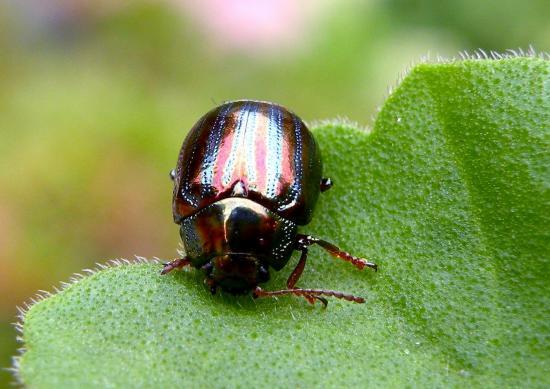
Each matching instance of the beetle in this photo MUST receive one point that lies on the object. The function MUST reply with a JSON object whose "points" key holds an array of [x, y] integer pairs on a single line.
{"points": [[248, 174]]}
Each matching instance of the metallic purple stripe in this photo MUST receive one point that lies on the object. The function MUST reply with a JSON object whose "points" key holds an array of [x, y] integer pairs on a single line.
{"points": [[250, 143], [295, 189], [212, 148], [240, 130], [186, 190], [274, 150]]}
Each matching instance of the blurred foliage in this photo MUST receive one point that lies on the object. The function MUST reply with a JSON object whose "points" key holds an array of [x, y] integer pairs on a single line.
{"points": [[94, 104], [496, 25]]}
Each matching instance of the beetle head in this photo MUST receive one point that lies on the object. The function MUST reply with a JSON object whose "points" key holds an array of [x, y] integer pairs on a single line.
{"points": [[236, 240], [236, 273]]}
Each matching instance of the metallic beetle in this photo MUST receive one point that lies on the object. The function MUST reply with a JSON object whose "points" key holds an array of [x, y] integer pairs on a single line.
{"points": [[248, 174]]}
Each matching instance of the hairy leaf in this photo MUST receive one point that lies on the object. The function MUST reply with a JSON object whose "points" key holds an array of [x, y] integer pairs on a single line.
{"points": [[449, 194]]}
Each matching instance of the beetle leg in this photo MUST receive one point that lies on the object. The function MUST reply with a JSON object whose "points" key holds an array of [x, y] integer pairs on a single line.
{"points": [[297, 272], [293, 279], [326, 184], [360, 263], [178, 263], [295, 276], [309, 294], [173, 174]]}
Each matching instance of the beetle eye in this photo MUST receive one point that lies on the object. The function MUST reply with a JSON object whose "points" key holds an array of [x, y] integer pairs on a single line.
{"points": [[173, 174]]}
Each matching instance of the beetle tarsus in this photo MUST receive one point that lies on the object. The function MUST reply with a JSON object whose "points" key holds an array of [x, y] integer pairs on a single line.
{"points": [[178, 263]]}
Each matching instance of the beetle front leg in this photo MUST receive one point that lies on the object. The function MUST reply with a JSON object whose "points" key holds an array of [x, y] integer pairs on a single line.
{"points": [[178, 263], [360, 263]]}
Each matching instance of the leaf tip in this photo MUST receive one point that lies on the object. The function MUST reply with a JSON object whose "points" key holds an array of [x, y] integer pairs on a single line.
{"points": [[462, 56]]}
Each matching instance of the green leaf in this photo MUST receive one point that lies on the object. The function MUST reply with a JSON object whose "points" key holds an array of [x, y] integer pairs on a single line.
{"points": [[449, 194]]}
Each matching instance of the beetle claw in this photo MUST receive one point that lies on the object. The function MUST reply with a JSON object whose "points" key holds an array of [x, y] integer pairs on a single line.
{"points": [[166, 269], [322, 300]]}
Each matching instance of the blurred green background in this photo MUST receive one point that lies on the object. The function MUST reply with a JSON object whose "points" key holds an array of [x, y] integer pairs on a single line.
{"points": [[96, 98]]}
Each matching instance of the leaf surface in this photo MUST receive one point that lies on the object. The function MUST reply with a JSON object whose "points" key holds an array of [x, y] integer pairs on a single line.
{"points": [[449, 194]]}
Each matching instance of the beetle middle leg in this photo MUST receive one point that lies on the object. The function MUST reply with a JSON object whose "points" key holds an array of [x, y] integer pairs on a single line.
{"points": [[360, 263], [178, 263], [295, 276]]}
